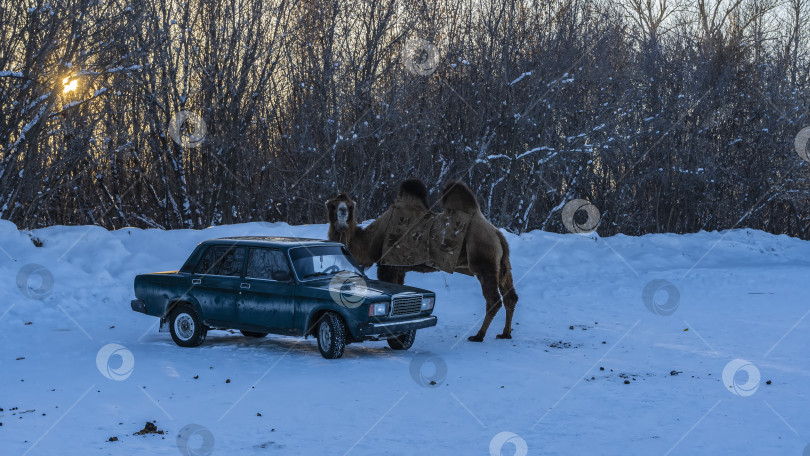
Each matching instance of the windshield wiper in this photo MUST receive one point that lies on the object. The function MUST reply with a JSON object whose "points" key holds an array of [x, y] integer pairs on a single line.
{"points": [[350, 272], [316, 274], [321, 273]]}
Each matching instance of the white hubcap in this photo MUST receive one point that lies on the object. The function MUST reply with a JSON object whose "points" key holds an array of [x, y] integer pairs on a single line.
{"points": [[325, 336], [184, 326]]}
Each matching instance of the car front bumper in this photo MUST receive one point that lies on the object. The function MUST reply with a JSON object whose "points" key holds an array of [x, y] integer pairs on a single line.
{"points": [[392, 328]]}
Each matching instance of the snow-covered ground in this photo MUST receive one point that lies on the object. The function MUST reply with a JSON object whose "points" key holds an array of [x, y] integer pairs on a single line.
{"points": [[592, 368]]}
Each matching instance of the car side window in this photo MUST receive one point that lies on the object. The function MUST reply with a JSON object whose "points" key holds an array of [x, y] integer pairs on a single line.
{"points": [[222, 260], [267, 264]]}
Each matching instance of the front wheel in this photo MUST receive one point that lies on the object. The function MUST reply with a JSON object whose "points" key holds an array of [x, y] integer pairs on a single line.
{"points": [[331, 336], [402, 341], [186, 326]]}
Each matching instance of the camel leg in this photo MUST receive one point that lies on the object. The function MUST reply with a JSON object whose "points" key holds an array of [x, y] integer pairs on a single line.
{"points": [[401, 276], [489, 286], [392, 274], [386, 273], [510, 299]]}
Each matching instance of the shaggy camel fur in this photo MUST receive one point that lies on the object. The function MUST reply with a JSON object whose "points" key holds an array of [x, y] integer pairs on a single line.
{"points": [[484, 253]]}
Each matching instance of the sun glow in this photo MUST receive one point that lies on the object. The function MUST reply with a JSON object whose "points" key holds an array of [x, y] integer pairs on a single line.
{"points": [[70, 86]]}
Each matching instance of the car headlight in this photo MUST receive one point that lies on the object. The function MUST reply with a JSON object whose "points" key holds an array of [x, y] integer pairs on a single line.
{"points": [[427, 302], [377, 309]]}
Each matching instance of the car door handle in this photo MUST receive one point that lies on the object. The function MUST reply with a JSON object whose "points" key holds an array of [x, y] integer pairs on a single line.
{"points": [[244, 285], [196, 281]]}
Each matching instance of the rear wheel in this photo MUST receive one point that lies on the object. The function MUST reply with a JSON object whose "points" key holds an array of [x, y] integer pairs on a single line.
{"points": [[186, 326], [331, 334], [253, 334], [402, 341]]}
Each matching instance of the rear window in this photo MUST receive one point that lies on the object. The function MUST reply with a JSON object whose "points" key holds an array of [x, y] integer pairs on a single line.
{"points": [[222, 260]]}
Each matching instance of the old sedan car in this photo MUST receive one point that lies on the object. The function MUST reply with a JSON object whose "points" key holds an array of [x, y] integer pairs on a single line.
{"points": [[288, 286]]}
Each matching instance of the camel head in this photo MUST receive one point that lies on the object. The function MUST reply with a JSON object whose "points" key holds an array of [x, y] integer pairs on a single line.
{"points": [[340, 213]]}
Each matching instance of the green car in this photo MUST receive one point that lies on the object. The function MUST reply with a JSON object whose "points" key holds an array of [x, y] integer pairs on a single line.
{"points": [[287, 286]]}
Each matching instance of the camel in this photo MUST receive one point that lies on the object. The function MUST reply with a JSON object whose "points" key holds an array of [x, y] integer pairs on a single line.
{"points": [[484, 251]]}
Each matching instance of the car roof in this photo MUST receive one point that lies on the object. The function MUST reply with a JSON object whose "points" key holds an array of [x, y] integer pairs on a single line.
{"points": [[270, 241]]}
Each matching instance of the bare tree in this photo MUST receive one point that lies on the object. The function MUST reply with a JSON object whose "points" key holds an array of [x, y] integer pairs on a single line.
{"points": [[667, 115]]}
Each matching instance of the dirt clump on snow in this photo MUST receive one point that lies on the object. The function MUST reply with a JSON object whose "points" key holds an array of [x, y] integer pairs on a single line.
{"points": [[150, 428]]}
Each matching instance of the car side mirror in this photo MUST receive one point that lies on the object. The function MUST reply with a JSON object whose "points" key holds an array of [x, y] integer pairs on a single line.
{"points": [[281, 276]]}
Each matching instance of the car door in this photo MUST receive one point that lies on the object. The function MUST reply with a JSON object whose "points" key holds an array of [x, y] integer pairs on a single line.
{"points": [[267, 292], [216, 282]]}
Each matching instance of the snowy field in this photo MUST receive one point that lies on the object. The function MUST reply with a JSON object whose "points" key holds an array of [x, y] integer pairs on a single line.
{"points": [[596, 366]]}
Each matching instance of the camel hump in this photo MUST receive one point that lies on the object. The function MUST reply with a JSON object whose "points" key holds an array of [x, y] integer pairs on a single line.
{"points": [[457, 196], [416, 189]]}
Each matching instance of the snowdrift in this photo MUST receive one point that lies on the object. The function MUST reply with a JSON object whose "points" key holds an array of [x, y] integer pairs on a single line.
{"points": [[657, 344]]}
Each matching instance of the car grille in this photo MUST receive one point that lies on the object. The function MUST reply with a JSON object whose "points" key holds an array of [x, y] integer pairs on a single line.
{"points": [[406, 305]]}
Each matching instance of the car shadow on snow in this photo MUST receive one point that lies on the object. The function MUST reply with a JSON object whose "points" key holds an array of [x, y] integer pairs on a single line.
{"points": [[293, 346]]}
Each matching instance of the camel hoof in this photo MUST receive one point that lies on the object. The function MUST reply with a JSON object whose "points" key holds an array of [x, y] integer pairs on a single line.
{"points": [[503, 336], [475, 339]]}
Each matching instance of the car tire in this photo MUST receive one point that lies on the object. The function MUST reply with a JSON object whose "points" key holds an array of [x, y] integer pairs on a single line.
{"points": [[402, 341], [253, 334], [331, 334], [186, 326]]}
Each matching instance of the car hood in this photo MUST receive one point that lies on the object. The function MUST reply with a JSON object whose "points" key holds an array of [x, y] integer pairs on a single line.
{"points": [[371, 290]]}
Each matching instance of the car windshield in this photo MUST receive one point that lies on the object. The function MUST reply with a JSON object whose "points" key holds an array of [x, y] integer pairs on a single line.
{"points": [[320, 261]]}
